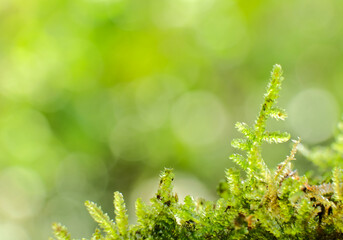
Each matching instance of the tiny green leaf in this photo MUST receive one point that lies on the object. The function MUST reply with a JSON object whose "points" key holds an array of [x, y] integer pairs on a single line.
{"points": [[102, 219]]}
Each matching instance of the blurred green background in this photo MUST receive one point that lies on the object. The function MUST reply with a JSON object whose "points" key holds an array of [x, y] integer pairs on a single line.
{"points": [[101, 95]]}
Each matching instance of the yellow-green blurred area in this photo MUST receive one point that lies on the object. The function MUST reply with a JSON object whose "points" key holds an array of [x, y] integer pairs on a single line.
{"points": [[101, 95]]}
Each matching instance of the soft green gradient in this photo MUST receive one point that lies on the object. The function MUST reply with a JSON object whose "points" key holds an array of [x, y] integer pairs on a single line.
{"points": [[100, 95]]}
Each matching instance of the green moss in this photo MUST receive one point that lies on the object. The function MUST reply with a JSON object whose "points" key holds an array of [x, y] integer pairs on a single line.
{"points": [[265, 204]]}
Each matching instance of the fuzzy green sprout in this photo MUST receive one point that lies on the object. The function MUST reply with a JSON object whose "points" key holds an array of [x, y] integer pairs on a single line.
{"points": [[61, 232], [253, 163], [265, 204]]}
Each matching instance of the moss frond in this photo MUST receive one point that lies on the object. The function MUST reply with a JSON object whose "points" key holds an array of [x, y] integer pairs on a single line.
{"points": [[277, 113], [337, 183], [245, 129], [60, 232], [284, 169], [121, 219], [97, 235], [240, 160], [233, 179], [141, 211], [253, 162], [276, 137], [165, 189], [256, 204], [102, 219]]}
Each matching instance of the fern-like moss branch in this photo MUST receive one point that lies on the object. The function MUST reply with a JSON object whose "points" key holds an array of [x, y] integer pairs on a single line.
{"points": [[102, 219], [60, 232], [255, 136]]}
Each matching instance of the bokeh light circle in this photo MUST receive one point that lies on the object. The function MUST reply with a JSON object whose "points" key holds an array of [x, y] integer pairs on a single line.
{"points": [[179, 13], [22, 192], [10, 231], [198, 118], [313, 115], [153, 96]]}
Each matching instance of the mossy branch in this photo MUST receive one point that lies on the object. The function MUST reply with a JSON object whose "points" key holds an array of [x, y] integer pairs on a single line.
{"points": [[102, 219], [254, 164], [60, 232], [121, 219]]}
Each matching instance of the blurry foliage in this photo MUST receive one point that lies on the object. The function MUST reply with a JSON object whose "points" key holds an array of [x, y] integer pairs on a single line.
{"points": [[97, 95], [327, 157]]}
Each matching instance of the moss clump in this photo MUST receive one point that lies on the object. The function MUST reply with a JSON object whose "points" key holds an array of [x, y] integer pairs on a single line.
{"points": [[264, 204]]}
